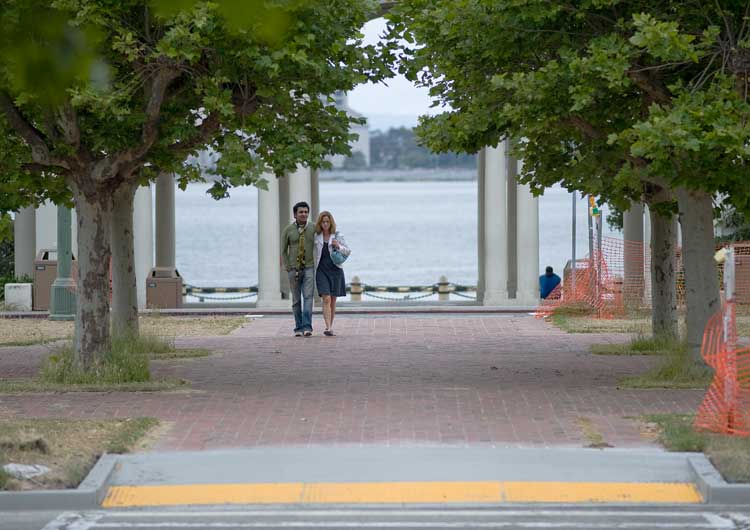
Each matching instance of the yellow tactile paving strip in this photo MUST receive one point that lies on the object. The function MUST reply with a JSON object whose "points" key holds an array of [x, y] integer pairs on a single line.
{"points": [[489, 492]]}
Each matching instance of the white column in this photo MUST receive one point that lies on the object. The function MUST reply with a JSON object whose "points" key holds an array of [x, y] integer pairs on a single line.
{"points": [[527, 247], [46, 226], [481, 166], [24, 242], [647, 252], [300, 187], [495, 226], [143, 240], [633, 281], [269, 246], [314, 194], [165, 221]]}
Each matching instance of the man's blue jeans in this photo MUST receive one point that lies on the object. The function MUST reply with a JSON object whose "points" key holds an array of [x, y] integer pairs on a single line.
{"points": [[302, 297]]}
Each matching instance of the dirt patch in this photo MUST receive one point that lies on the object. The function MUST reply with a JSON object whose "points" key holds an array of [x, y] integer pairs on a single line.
{"points": [[26, 331], [70, 448]]}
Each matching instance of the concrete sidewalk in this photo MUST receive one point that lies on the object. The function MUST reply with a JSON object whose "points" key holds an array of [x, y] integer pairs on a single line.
{"points": [[403, 475]]}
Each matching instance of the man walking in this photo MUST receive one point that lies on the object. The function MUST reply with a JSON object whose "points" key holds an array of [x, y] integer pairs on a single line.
{"points": [[297, 254]]}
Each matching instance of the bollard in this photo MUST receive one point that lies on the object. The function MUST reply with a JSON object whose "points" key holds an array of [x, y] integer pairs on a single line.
{"points": [[444, 292], [356, 289]]}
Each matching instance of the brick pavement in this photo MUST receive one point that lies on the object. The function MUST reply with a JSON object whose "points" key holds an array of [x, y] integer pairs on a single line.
{"points": [[457, 379]]}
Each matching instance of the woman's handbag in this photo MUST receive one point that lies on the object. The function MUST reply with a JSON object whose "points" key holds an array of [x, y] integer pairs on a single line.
{"points": [[338, 257]]}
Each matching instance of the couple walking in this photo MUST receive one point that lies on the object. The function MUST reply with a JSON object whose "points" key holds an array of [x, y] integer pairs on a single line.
{"points": [[313, 253]]}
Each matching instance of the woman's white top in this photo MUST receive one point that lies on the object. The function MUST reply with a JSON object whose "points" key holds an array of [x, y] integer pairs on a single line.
{"points": [[319, 241]]}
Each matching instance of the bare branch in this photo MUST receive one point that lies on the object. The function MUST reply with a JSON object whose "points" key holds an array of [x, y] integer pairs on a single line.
{"points": [[156, 93], [67, 121], [654, 88]]}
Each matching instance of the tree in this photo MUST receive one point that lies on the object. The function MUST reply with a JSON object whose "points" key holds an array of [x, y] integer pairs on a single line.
{"points": [[620, 99], [135, 87], [356, 161], [397, 148]]}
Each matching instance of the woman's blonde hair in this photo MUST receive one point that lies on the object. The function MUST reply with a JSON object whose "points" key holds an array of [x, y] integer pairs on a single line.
{"points": [[319, 228]]}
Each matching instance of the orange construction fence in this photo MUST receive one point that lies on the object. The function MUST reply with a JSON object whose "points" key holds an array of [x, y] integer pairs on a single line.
{"points": [[617, 279]]}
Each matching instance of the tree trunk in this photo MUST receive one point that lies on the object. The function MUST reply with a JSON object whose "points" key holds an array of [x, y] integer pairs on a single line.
{"points": [[663, 275], [124, 289], [92, 336], [701, 277]]}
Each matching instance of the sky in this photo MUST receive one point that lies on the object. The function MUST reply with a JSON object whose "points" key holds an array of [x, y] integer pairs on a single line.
{"points": [[397, 104]]}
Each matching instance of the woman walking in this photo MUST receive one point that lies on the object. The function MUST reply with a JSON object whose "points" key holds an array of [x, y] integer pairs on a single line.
{"points": [[329, 276]]}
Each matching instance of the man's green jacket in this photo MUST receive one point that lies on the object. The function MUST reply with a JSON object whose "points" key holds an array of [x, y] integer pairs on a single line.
{"points": [[290, 245]]}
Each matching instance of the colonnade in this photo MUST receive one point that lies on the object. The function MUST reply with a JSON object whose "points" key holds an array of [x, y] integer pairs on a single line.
{"points": [[508, 232]]}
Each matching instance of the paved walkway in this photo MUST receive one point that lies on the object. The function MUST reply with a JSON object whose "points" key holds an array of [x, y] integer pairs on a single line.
{"points": [[453, 379]]}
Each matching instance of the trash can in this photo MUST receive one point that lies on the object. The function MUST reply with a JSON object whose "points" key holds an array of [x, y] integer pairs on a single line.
{"points": [[45, 272], [164, 288]]}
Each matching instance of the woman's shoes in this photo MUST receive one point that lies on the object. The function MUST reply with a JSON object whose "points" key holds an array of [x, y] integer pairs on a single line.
{"points": [[328, 333]]}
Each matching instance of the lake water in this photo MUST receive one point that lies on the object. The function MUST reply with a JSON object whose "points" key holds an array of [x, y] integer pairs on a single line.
{"points": [[401, 233]]}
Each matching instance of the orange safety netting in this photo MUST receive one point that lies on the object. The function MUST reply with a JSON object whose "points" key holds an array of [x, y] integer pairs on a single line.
{"points": [[610, 283], [617, 280], [726, 407]]}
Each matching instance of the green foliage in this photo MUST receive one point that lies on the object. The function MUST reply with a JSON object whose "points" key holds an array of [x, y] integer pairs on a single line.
{"points": [[610, 97], [249, 79], [7, 251]]}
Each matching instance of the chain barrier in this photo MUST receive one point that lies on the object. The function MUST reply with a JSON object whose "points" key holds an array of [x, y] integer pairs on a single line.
{"points": [[469, 297], [221, 299], [393, 299], [366, 290]]}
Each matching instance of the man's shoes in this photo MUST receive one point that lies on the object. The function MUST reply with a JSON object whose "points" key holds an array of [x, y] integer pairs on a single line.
{"points": [[297, 333], [308, 333]]}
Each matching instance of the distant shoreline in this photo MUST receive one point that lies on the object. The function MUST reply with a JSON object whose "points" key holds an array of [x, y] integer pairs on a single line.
{"points": [[399, 175]]}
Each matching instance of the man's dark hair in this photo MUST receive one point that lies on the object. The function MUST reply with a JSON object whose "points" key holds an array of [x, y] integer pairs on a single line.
{"points": [[549, 270], [301, 204]]}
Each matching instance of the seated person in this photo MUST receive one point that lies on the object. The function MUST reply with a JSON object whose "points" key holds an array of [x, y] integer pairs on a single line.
{"points": [[547, 282]]}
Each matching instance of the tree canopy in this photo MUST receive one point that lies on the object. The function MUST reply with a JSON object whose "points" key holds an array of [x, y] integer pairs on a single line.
{"points": [[602, 94], [98, 96]]}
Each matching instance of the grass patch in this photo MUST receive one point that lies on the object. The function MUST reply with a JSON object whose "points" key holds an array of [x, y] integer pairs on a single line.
{"points": [[69, 448], [125, 368], [127, 362], [730, 454], [123, 363], [640, 345], [580, 324], [676, 370], [20, 386], [592, 434]]}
